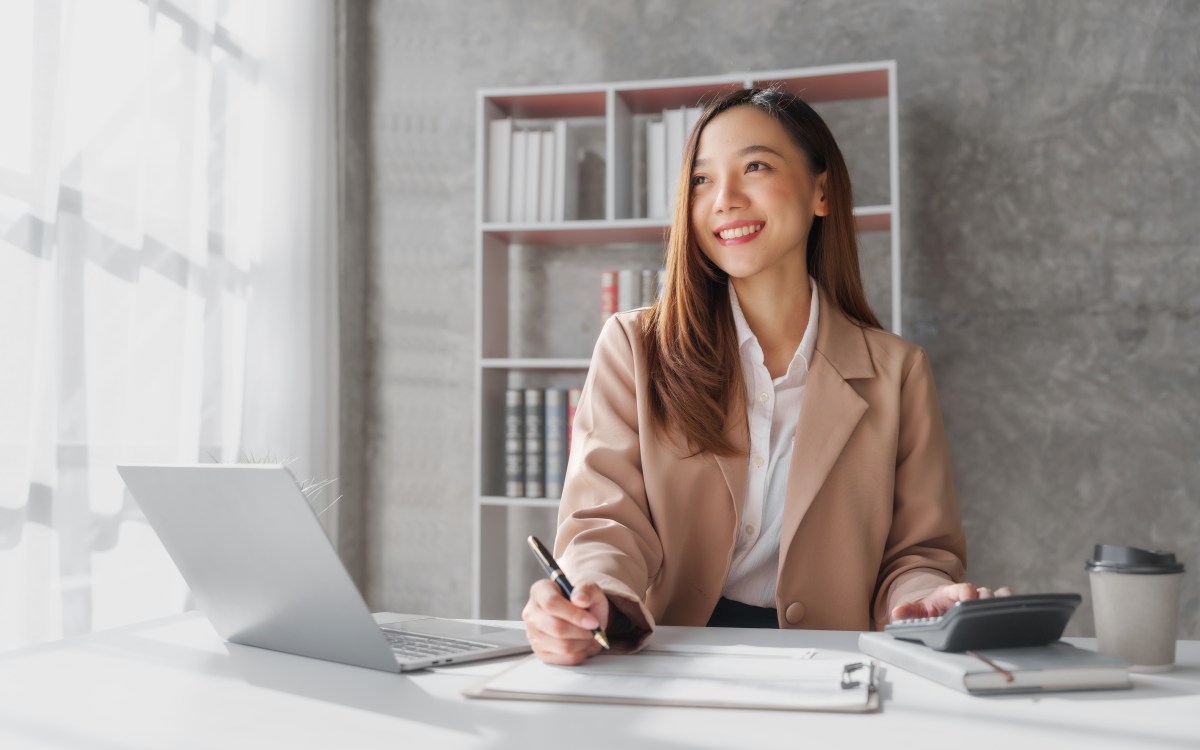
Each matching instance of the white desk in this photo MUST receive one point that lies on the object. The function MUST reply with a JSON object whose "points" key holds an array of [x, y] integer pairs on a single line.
{"points": [[173, 683]]}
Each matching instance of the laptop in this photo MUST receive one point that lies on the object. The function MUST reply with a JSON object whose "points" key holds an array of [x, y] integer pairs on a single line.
{"points": [[260, 566]]}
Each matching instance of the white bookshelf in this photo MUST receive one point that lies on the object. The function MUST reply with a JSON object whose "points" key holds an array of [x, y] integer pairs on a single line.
{"points": [[615, 110]]}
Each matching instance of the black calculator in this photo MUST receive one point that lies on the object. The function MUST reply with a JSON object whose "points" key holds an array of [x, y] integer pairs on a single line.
{"points": [[999, 622]]}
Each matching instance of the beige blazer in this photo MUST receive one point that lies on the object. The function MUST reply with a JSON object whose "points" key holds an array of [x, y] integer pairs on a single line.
{"points": [[870, 520]]}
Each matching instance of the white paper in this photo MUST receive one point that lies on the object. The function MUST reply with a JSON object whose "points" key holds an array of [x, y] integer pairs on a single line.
{"points": [[695, 675]]}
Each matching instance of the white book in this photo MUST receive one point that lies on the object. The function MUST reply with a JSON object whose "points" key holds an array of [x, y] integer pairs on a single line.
{"points": [[674, 123], [546, 182], [629, 289], [656, 170], [499, 167], [516, 204], [533, 174], [566, 172], [691, 116], [1057, 666]]}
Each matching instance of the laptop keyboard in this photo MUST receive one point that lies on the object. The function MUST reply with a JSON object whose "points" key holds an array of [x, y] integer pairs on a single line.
{"points": [[418, 646]]}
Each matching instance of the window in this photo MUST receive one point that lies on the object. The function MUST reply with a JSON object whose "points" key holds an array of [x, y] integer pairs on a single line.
{"points": [[167, 261]]}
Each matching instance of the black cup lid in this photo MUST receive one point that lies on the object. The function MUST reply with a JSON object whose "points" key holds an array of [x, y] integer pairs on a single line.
{"points": [[1116, 558]]}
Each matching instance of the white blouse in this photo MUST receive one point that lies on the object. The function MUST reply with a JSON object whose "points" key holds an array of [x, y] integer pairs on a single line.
{"points": [[773, 409]]}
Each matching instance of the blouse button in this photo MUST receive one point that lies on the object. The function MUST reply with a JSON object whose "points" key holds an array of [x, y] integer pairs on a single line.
{"points": [[758, 462], [749, 530], [763, 397], [794, 613]]}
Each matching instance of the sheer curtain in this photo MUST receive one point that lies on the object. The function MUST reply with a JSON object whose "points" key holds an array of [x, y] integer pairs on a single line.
{"points": [[167, 270]]}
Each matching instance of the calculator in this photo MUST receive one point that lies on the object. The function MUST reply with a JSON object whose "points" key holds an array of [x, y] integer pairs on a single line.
{"points": [[999, 622]]}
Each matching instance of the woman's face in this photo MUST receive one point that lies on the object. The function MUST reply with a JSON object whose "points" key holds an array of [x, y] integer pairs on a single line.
{"points": [[753, 196]]}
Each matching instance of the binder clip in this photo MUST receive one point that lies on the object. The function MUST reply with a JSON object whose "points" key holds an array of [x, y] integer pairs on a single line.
{"points": [[848, 683]]}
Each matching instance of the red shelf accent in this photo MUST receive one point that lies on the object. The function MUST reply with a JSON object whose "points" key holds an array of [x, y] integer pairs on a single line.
{"points": [[572, 104], [835, 86]]}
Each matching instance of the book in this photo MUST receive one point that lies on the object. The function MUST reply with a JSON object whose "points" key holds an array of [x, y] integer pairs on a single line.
{"points": [[533, 175], [535, 479], [1054, 667], [555, 440], [546, 182], [608, 295], [674, 121], [656, 170], [499, 164], [691, 116], [629, 289], [566, 172], [647, 287], [516, 188], [573, 395], [514, 442]]}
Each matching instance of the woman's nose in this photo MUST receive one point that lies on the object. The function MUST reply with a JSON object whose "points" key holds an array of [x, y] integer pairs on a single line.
{"points": [[729, 196]]}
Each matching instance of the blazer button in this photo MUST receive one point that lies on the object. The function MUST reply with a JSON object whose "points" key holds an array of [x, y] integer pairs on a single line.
{"points": [[794, 613]]}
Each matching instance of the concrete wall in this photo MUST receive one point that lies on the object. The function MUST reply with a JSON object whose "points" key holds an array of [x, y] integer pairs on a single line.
{"points": [[1050, 175]]}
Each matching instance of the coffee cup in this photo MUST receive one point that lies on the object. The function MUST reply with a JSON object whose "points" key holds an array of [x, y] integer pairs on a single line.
{"points": [[1135, 601]]}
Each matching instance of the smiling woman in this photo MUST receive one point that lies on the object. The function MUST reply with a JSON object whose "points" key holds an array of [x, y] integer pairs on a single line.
{"points": [[166, 257], [753, 450], [755, 154]]}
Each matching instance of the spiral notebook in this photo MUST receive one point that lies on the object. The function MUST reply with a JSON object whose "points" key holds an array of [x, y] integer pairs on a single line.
{"points": [[693, 675]]}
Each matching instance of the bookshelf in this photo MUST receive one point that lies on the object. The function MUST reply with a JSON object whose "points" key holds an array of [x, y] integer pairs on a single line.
{"points": [[537, 306]]}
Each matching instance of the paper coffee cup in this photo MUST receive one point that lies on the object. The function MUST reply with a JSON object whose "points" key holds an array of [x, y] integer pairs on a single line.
{"points": [[1135, 601]]}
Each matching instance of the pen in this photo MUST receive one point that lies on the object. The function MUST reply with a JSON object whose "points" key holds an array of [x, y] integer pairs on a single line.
{"points": [[560, 578]]}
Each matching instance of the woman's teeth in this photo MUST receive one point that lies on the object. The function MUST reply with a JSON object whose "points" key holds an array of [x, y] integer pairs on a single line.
{"points": [[730, 234]]}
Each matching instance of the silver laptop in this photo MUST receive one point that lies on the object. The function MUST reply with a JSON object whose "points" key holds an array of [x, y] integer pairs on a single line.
{"points": [[261, 567]]}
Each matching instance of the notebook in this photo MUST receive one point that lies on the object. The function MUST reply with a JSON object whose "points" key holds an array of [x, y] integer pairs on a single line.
{"points": [[1053, 667], [262, 569]]}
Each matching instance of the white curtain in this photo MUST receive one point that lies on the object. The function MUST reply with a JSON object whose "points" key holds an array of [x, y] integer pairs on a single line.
{"points": [[167, 279]]}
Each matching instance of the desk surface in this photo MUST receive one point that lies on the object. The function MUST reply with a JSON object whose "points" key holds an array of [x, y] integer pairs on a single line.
{"points": [[174, 683]]}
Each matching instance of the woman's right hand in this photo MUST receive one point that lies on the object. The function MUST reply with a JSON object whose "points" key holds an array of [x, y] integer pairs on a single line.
{"points": [[559, 630]]}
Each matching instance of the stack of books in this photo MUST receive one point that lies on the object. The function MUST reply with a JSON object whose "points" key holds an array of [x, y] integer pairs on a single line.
{"points": [[533, 174], [665, 139], [537, 440], [628, 289]]}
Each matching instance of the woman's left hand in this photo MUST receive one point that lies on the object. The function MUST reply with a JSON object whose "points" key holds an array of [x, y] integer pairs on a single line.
{"points": [[943, 598]]}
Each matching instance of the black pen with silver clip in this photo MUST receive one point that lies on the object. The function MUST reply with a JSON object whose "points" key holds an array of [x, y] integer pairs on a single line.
{"points": [[560, 578]]}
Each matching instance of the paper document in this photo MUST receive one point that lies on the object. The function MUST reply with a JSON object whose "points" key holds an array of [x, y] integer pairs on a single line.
{"points": [[681, 675]]}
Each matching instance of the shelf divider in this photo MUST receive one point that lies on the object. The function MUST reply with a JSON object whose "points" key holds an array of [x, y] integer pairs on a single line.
{"points": [[519, 502]]}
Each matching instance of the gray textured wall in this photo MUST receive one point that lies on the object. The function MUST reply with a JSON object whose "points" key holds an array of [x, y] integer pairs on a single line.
{"points": [[1050, 174]]}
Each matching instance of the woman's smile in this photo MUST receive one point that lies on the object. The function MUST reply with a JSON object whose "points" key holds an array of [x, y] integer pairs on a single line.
{"points": [[738, 232]]}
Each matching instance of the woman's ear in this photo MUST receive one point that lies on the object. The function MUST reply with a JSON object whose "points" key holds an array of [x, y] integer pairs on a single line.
{"points": [[820, 206]]}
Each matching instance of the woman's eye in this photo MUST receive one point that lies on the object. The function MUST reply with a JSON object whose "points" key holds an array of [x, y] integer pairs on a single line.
{"points": [[756, 166], [698, 178]]}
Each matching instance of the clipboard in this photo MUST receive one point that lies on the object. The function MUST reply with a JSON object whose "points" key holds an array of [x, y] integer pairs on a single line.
{"points": [[735, 677]]}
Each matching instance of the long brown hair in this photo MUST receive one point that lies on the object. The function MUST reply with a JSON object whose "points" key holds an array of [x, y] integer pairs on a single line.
{"points": [[689, 334]]}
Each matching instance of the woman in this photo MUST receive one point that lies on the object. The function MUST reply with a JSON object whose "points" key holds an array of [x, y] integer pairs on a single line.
{"points": [[754, 450]]}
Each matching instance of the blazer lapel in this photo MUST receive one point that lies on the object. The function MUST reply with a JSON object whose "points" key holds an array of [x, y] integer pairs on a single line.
{"points": [[736, 468], [830, 411]]}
